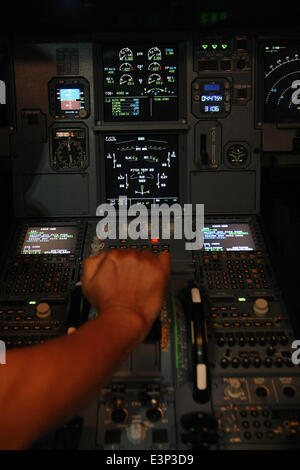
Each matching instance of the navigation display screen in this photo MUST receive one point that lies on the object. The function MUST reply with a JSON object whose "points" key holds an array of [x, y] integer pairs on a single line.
{"points": [[49, 240], [281, 82], [144, 168], [140, 83], [228, 237]]}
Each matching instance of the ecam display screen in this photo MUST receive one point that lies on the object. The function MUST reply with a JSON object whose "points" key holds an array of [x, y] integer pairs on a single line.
{"points": [[228, 237], [49, 240], [144, 168], [140, 83], [281, 82]]}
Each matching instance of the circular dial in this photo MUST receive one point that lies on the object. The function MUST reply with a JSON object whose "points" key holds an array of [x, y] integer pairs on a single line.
{"points": [[154, 53], [125, 54], [155, 79], [154, 67], [70, 154], [126, 79], [237, 155], [126, 67]]}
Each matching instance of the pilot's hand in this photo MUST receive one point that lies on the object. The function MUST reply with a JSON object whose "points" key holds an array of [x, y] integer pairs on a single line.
{"points": [[130, 280]]}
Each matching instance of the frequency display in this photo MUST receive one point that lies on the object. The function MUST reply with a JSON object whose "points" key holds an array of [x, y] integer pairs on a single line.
{"points": [[140, 83], [228, 237], [144, 168], [49, 240], [281, 83]]}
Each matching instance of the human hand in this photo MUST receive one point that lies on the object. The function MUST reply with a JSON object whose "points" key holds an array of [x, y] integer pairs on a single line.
{"points": [[129, 280]]}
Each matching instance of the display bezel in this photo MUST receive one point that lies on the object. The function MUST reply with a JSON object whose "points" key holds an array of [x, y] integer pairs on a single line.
{"points": [[239, 223], [260, 80], [136, 135], [51, 226], [68, 83], [148, 41]]}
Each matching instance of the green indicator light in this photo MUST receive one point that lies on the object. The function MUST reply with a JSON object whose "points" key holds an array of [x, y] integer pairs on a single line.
{"points": [[214, 46], [242, 299], [204, 46], [224, 46], [32, 302]]}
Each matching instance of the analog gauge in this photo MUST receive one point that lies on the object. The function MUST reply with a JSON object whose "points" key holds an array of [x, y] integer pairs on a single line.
{"points": [[154, 67], [154, 54], [126, 67], [237, 155], [125, 54], [126, 79], [154, 78], [70, 154]]}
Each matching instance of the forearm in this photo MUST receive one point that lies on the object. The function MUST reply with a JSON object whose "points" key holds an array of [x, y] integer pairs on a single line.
{"points": [[43, 385]]}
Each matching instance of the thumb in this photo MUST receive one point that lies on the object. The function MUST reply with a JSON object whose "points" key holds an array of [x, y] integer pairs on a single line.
{"points": [[91, 265]]}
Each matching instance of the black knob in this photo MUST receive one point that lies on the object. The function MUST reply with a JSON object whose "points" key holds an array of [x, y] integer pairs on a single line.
{"points": [[279, 362], [235, 362], [221, 341], [242, 341], [257, 362], [289, 363], [231, 341], [261, 392], [273, 340], [198, 420], [262, 340], [268, 362], [271, 351], [241, 64], [246, 362], [283, 340], [252, 340], [289, 392], [224, 363], [154, 414], [119, 415]]}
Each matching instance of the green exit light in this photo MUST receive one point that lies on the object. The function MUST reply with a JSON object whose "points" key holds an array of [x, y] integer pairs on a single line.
{"points": [[242, 299], [214, 46]]}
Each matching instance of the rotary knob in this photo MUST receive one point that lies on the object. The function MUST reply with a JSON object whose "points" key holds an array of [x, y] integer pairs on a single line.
{"points": [[43, 310], [234, 388], [260, 307]]}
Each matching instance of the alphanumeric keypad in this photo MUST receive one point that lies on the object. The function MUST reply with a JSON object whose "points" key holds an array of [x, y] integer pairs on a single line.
{"points": [[235, 270], [39, 274]]}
